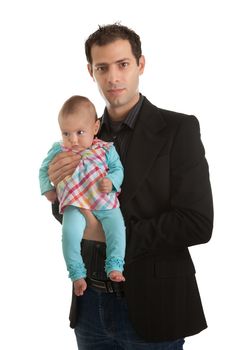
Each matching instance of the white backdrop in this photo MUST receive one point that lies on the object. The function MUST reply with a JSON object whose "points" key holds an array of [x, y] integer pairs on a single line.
{"points": [[188, 49]]}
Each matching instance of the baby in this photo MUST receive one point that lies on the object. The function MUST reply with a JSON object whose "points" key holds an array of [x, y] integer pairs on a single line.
{"points": [[94, 186]]}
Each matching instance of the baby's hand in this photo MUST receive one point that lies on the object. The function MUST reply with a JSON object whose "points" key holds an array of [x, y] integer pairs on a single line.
{"points": [[51, 196], [105, 185]]}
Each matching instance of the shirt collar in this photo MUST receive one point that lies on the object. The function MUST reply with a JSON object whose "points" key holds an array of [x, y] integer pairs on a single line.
{"points": [[130, 119]]}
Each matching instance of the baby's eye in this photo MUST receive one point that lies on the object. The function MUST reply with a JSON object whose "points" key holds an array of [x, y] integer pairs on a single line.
{"points": [[65, 133], [80, 132]]}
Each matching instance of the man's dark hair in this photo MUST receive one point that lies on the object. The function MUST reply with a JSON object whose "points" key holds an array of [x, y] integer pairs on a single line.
{"points": [[109, 33]]}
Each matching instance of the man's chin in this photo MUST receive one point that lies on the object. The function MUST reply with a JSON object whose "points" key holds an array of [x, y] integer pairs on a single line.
{"points": [[115, 102]]}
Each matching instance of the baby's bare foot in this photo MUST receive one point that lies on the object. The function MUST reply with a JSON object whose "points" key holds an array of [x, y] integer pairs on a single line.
{"points": [[80, 286], [116, 276]]}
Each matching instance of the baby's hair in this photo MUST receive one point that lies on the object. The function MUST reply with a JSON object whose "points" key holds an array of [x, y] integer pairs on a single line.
{"points": [[74, 103]]}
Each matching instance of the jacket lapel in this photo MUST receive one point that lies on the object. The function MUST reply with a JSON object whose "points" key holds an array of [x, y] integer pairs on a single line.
{"points": [[146, 143]]}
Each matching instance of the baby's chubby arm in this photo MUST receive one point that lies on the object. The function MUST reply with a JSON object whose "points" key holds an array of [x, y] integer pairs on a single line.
{"points": [[115, 172]]}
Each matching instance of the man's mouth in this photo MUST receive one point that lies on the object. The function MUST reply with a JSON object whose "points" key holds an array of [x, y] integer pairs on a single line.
{"points": [[115, 91]]}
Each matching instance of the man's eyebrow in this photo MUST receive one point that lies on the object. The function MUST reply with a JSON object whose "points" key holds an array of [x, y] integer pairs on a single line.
{"points": [[123, 60], [101, 64], [106, 64]]}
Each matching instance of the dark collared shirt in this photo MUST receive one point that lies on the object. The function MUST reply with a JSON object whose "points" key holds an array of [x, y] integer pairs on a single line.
{"points": [[120, 132]]}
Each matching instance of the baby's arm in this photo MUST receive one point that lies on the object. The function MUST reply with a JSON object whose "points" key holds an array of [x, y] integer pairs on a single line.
{"points": [[46, 187], [115, 169]]}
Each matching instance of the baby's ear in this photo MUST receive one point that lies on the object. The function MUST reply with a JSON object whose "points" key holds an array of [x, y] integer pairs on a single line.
{"points": [[97, 126]]}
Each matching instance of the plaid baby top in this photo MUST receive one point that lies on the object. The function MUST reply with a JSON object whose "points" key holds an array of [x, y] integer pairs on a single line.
{"points": [[81, 188]]}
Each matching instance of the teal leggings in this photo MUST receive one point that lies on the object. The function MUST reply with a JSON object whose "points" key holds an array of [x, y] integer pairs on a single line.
{"points": [[73, 227]]}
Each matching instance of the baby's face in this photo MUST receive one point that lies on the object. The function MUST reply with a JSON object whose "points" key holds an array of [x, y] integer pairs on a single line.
{"points": [[78, 129]]}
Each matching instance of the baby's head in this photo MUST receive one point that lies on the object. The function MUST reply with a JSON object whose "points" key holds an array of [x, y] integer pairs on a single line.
{"points": [[78, 123]]}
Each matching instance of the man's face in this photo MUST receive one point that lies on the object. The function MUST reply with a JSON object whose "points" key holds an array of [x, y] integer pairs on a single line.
{"points": [[115, 70]]}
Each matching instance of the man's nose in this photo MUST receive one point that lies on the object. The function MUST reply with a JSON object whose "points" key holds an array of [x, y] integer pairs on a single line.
{"points": [[113, 75]]}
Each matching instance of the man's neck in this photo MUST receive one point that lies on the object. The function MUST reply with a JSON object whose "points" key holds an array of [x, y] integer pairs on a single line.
{"points": [[120, 113]]}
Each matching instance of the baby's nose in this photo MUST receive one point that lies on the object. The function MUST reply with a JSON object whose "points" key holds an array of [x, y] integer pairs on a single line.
{"points": [[74, 139]]}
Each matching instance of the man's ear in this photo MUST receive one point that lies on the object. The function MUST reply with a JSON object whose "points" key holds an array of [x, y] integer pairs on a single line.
{"points": [[141, 64], [89, 67]]}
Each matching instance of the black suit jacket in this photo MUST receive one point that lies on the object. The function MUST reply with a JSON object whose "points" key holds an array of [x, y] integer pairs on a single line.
{"points": [[167, 206]]}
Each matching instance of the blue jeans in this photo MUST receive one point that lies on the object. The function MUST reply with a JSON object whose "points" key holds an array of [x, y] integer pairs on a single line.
{"points": [[103, 324]]}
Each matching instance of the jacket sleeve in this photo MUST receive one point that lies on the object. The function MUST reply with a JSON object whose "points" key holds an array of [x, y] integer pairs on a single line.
{"points": [[189, 219], [55, 211]]}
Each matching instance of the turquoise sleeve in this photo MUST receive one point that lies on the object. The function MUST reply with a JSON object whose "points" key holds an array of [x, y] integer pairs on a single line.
{"points": [[116, 171], [45, 184]]}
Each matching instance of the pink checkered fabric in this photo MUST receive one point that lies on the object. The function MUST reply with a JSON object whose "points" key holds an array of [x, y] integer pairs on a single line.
{"points": [[81, 189]]}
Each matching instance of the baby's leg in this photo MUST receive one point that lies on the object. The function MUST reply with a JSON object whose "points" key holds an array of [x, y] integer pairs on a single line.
{"points": [[114, 229], [73, 226]]}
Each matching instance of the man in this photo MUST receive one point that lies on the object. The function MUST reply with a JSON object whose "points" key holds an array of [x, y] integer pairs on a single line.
{"points": [[167, 206]]}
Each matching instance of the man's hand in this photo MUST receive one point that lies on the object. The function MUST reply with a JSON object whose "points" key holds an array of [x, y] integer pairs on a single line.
{"points": [[64, 164], [51, 195], [105, 185]]}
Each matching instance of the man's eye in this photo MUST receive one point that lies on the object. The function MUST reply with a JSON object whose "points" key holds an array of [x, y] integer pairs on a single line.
{"points": [[101, 69], [124, 64]]}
